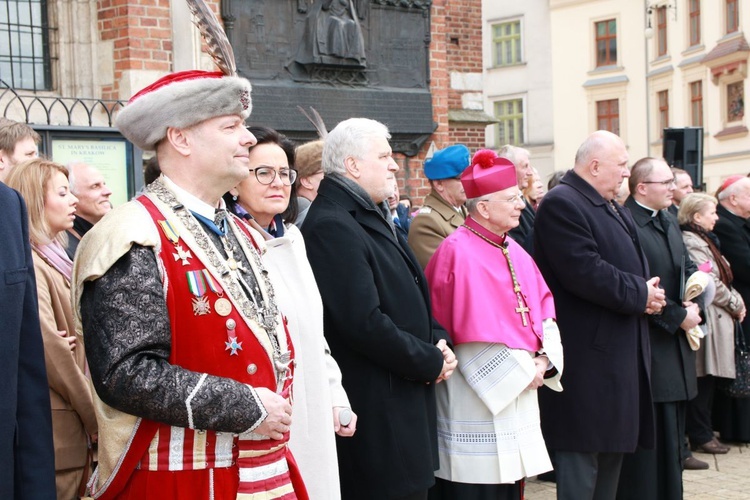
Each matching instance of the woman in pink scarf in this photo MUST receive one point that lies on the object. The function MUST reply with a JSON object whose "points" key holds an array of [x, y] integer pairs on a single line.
{"points": [[51, 206]]}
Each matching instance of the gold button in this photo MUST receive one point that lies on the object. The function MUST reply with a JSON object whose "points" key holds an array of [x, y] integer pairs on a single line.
{"points": [[251, 368]]}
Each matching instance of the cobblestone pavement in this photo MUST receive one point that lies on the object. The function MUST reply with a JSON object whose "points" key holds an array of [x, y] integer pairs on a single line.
{"points": [[728, 477]]}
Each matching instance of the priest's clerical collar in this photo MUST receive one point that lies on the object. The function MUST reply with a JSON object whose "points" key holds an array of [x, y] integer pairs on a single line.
{"points": [[192, 202], [654, 213], [474, 226]]}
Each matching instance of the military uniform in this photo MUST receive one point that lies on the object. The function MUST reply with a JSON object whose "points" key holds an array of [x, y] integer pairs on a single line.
{"points": [[434, 222]]}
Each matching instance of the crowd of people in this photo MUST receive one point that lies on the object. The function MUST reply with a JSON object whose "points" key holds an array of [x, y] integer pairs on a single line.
{"points": [[270, 320]]}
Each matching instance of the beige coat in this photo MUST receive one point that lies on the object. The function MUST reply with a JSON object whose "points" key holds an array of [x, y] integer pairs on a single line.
{"points": [[434, 222], [716, 354], [317, 377], [69, 390]]}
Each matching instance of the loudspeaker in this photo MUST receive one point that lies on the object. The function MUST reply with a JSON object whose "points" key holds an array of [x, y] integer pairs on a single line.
{"points": [[683, 148]]}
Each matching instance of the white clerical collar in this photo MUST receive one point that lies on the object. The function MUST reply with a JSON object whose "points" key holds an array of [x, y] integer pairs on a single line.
{"points": [[654, 213], [192, 202]]}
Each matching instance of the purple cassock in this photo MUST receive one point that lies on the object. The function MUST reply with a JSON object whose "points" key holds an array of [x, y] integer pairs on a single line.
{"points": [[473, 294]]}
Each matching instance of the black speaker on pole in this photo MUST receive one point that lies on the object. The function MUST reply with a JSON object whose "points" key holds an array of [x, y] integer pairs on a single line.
{"points": [[683, 148]]}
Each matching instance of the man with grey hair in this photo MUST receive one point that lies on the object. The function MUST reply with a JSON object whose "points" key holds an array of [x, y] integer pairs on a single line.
{"points": [[524, 232], [732, 416], [88, 185], [587, 248], [378, 319]]}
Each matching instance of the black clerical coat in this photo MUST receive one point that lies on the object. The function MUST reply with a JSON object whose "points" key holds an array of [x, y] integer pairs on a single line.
{"points": [[591, 259], [378, 324], [734, 235], [673, 375]]}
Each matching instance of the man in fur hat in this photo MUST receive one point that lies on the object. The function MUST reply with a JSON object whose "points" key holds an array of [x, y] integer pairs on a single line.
{"points": [[188, 352]]}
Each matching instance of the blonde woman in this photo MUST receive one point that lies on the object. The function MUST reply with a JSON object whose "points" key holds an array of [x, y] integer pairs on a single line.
{"points": [[697, 217], [51, 206]]}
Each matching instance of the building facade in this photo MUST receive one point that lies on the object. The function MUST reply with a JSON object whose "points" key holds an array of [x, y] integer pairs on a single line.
{"points": [[636, 68], [518, 79]]}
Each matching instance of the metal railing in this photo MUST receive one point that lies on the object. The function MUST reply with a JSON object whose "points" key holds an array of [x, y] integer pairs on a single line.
{"points": [[55, 110]]}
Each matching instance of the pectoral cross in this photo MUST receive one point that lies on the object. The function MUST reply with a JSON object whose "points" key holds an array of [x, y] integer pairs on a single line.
{"points": [[522, 309]]}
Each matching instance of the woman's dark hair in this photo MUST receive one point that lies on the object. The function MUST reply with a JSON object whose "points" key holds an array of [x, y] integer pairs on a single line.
{"points": [[267, 135]]}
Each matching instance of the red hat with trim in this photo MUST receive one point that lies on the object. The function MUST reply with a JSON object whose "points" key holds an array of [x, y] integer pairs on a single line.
{"points": [[488, 174]]}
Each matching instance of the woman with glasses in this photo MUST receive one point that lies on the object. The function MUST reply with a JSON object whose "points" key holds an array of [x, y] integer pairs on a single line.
{"points": [[44, 186], [268, 197]]}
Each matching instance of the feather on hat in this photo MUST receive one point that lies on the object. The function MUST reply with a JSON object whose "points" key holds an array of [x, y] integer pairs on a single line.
{"points": [[188, 97]]}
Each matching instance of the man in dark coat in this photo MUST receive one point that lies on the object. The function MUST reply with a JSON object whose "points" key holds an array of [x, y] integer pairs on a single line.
{"points": [[378, 320], [27, 459], [657, 473], [587, 249], [732, 416]]}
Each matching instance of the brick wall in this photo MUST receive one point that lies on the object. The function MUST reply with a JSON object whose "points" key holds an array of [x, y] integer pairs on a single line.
{"points": [[456, 45], [141, 31]]}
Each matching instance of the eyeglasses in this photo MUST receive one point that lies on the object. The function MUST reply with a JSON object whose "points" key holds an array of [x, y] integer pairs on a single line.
{"points": [[663, 183], [517, 198], [266, 175]]}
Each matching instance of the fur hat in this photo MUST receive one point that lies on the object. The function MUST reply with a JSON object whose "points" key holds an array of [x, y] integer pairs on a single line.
{"points": [[181, 100]]}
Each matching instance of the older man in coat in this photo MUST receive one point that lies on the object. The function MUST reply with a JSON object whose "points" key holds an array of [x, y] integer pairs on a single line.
{"points": [[378, 319], [588, 251], [27, 461], [732, 416]]}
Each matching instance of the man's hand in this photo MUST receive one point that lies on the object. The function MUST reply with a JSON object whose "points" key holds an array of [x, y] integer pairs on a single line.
{"points": [[541, 363], [344, 430], [656, 298], [449, 361], [693, 317], [279, 417]]}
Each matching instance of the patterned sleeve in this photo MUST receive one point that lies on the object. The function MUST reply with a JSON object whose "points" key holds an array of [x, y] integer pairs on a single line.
{"points": [[127, 334]]}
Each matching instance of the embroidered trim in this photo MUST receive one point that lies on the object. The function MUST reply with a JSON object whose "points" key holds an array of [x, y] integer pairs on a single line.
{"points": [[189, 400], [268, 316]]}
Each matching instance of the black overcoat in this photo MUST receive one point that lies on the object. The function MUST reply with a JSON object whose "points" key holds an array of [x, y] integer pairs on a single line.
{"points": [[673, 376], [591, 259], [734, 235], [379, 326], [27, 460]]}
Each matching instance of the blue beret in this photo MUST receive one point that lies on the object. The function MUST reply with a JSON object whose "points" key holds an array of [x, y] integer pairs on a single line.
{"points": [[447, 163]]}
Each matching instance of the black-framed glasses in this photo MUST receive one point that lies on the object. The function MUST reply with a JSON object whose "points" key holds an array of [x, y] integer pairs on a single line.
{"points": [[266, 175], [663, 183]]}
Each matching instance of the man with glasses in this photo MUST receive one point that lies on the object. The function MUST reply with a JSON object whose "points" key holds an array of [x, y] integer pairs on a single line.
{"points": [[657, 473], [587, 249], [488, 293], [443, 209]]}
